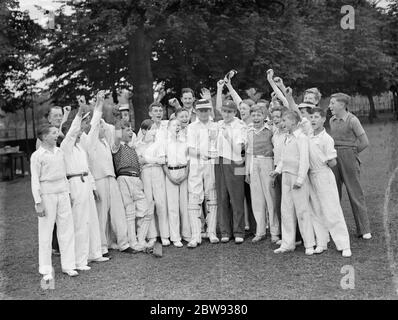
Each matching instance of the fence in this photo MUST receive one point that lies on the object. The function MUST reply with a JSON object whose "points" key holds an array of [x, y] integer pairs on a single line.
{"points": [[383, 103]]}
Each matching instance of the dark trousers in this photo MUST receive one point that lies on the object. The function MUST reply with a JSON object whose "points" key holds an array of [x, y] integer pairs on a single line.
{"points": [[347, 171], [230, 185], [252, 220]]}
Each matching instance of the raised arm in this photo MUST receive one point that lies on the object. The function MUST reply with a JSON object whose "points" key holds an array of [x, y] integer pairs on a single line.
{"points": [[235, 96], [279, 94], [220, 86], [92, 135], [70, 138]]}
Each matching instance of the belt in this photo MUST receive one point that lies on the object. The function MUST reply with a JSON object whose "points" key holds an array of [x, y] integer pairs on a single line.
{"points": [[129, 174], [81, 175], [176, 168]]}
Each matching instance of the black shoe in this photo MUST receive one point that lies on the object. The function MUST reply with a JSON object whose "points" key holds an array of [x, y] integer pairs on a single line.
{"points": [[129, 250], [106, 255]]}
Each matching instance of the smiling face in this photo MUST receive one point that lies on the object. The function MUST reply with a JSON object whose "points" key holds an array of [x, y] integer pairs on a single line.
{"points": [[227, 114], [310, 97], [127, 134], [317, 121], [51, 137], [156, 114], [183, 117], [244, 110], [174, 126], [55, 117], [336, 107], [258, 119], [187, 100]]}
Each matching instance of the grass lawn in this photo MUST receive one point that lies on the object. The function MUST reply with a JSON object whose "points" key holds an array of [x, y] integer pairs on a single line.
{"points": [[223, 271]]}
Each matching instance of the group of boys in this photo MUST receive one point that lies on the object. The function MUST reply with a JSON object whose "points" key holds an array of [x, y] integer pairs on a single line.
{"points": [[105, 187]]}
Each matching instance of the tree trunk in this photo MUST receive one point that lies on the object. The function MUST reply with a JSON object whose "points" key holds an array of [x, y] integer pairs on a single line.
{"points": [[26, 129], [33, 117], [372, 109], [139, 56]]}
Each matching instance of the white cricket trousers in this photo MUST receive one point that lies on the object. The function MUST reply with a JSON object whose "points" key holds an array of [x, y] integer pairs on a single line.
{"points": [[58, 210], [177, 204], [327, 209], [296, 206], [263, 196], [110, 209], [85, 220], [154, 181], [139, 211], [202, 187]]}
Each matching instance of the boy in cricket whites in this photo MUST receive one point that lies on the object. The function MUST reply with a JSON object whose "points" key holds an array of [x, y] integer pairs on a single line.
{"points": [[259, 165], [177, 170], [294, 165], [83, 194], [325, 198], [50, 191], [201, 140], [110, 204], [350, 140]]}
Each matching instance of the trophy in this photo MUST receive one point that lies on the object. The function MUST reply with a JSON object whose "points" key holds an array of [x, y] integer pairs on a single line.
{"points": [[213, 134]]}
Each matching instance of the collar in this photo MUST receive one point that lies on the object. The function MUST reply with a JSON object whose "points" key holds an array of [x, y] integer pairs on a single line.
{"points": [[343, 118], [42, 150], [319, 135]]}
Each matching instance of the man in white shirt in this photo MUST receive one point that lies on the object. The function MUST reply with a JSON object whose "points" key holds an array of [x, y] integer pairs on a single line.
{"points": [[230, 174]]}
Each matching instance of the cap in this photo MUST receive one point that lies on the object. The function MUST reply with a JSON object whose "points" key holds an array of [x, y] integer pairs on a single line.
{"points": [[124, 107], [229, 104], [203, 104], [306, 105]]}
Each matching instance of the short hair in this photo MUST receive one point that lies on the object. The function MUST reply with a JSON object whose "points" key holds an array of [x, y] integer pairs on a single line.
{"points": [[263, 101], [171, 121], [46, 115], [180, 110], [314, 91], [187, 90], [155, 104], [342, 97], [278, 108], [292, 116], [249, 102], [124, 124], [146, 124], [257, 108], [43, 130], [322, 112]]}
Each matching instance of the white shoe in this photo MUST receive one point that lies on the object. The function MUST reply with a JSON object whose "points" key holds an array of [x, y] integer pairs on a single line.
{"points": [[83, 268], [346, 253], [165, 242], [151, 242], [192, 244], [214, 239], [225, 239], [48, 277], [239, 240], [100, 259], [282, 250], [178, 244], [319, 249], [367, 236], [279, 242], [71, 273], [258, 239], [275, 239], [309, 251]]}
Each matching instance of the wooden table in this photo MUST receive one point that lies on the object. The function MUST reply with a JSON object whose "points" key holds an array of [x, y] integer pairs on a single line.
{"points": [[11, 162]]}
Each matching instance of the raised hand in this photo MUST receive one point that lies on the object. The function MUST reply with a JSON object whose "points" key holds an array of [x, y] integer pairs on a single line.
{"points": [[289, 92], [270, 74], [278, 81], [174, 103], [205, 94], [220, 84]]}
